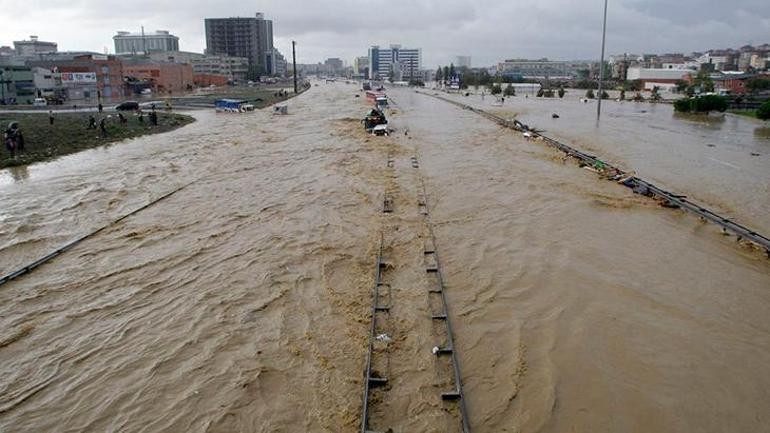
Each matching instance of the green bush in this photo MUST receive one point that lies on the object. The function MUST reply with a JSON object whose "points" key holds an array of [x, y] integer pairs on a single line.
{"points": [[590, 94], [702, 104], [496, 89], [540, 93], [510, 91], [764, 111], [548, 93], [561, 92], [682, 105]]}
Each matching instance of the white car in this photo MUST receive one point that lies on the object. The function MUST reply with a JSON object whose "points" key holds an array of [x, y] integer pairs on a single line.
{"points": [[40, 102]]}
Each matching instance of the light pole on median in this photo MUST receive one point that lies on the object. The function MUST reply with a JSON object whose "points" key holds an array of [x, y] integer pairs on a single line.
{"points": [[601, 64]]}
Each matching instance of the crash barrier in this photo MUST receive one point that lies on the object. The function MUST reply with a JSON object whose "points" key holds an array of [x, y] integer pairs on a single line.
{"points": [[50, 256]]}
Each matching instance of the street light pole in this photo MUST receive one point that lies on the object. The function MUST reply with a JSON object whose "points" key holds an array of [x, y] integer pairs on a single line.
{"points": [[294, 59], [601, 64]]}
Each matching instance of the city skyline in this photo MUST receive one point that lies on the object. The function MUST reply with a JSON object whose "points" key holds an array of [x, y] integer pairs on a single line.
{"points": [[491, 30]]}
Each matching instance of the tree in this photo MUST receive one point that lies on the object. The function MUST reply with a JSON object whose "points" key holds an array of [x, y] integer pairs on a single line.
{"points": [[605, 95], [701, 104], [655, 95], [495, 90], [451, 70], [758, 84], [561, 92], [540, 93], [439, 75], [548, 93], [590, 94], [764, 111], [681, 85], [391, 76], [447, 77], [510, 90]]}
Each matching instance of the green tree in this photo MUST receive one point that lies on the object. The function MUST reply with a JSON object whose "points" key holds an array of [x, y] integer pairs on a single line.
{"points": [[764, 111], [681, 85], [548, 93], [439, 75], [447, 77], [510, 90], [702, 104], [590, 94], [561, 92], [495, 90], [605, 95], [451, 70], [758, 84], [655, 94]]}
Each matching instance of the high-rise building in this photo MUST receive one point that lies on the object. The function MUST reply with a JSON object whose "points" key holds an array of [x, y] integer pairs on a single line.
{"points": [[34, 46], [334, 65], [243, 37], [394, 62], [133, 43], [463, 61], [361, 66]]}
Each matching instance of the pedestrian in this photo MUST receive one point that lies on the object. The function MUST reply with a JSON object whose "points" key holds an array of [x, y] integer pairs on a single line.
{"points": [[103, 126], [154, 118], [50, 117], [100, 107], [10, 142]]}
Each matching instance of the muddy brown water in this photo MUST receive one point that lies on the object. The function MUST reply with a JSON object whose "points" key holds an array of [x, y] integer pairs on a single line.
{"points": [[241, 304]]}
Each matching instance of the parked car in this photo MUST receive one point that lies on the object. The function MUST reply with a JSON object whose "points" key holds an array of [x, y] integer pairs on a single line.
{"points": [[127, 106], [40, 102]]}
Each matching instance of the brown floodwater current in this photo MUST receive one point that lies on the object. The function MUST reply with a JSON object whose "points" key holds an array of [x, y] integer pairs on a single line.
{"points": [[241, 303]]}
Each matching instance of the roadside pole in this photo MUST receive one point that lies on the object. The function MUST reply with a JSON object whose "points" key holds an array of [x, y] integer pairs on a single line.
{"points": [[601, 65], [294, 59]]}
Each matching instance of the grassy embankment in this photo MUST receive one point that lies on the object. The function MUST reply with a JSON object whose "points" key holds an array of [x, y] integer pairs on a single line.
{"points": [[70, 133]]}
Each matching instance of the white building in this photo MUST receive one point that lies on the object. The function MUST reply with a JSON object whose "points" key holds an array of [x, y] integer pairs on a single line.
{"points": [[463, 61], [134, 43], [396, 62], [33, 46], [654, 74]]}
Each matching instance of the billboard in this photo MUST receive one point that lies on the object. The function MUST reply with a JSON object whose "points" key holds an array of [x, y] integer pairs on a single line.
{"points": [[78, 77]]}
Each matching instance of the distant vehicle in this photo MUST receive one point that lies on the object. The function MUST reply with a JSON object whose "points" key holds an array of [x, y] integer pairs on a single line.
{"points": [[366, 86], [146, 92], [233, 106], [127, 106], [40, 102]]}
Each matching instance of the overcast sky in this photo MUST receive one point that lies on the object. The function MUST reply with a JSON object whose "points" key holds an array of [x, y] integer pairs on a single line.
{"points": [[488, 30]]}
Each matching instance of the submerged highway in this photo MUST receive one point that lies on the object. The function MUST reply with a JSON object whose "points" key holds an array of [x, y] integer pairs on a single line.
{"points": [[243, 302]]}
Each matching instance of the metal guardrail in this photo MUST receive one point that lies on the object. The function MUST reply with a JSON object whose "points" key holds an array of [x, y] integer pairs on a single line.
{"points": [[638, 185], [50, 256]]}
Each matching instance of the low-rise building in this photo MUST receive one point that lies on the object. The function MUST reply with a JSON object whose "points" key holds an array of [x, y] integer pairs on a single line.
{"points": [[656, 75], [234, 68], [33, 46], [88, 76], [534, 69], [165, 77], [17, 84]]}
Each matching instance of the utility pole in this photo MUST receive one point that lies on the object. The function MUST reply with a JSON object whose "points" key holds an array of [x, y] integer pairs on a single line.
{"points": [[601, 65], [294, 58], [144, 43]]}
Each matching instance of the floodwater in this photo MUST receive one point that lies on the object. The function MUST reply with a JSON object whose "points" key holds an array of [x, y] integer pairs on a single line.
{"points": [[241, 303], [722, 161]]}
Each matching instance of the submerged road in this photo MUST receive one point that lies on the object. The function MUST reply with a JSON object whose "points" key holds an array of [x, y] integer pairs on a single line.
{"points": [[241, 303]]}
